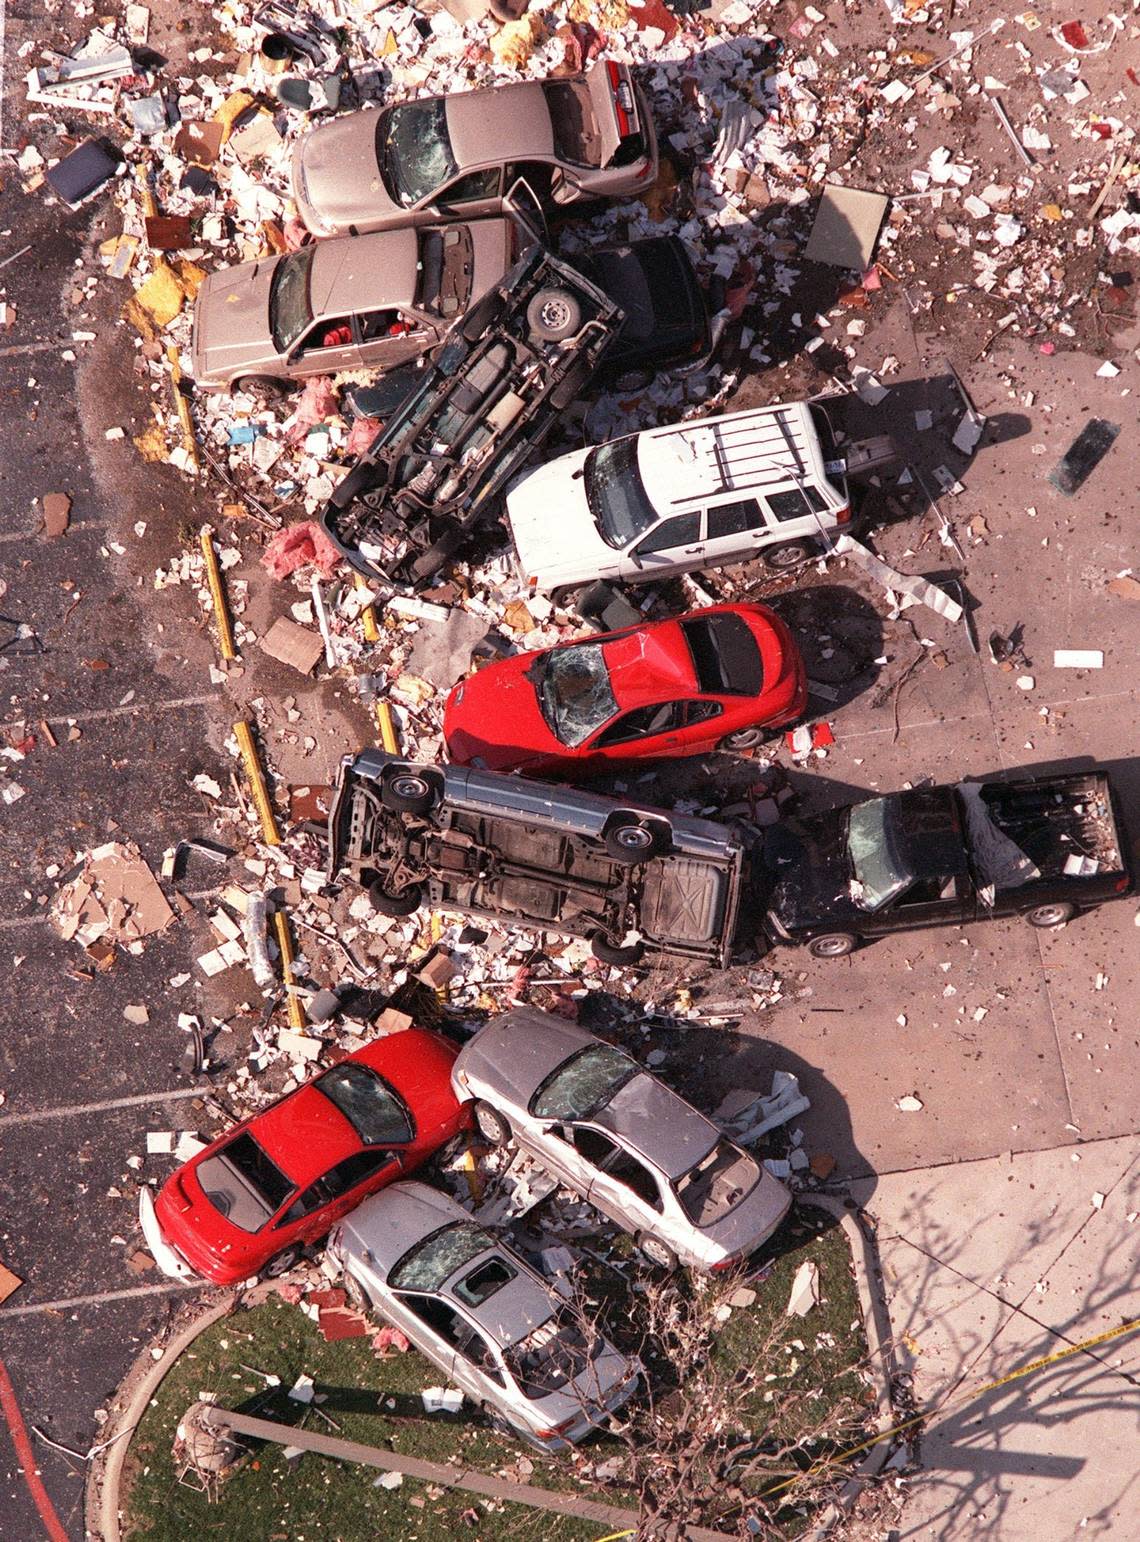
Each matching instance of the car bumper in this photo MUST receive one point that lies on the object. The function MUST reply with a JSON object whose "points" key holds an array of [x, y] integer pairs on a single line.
{"points": [[168, 1258]]}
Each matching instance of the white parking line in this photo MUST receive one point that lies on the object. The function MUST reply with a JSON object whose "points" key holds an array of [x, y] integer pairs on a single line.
{"points": [[99, 1298], [70, 1110], [14, 349], [97, 715], [32, 535]]}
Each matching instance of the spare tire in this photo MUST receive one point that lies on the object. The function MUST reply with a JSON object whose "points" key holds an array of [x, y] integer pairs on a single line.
{"points": [[553, 314], [401, 903], [407, 792]]}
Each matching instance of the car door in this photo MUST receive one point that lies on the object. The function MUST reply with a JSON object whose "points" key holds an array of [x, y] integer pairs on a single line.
{"points": [[475, 1365], [943, 900], [429, 1322], [626, 1189], [324, 1202], [571, 1153], [640, 732], [391, 337], [734, 531], [473, 194], [674, 545], [327, 346]]}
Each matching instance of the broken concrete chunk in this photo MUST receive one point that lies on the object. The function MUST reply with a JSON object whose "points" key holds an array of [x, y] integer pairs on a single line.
{"points": [[57, 514], [805, 1290], [294, 645]]}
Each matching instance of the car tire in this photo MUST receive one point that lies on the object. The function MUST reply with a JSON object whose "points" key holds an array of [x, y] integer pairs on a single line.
{"points": [[260, 385], [492, 1125], [833, 945], [792, 554], [606, 951], [407, 792], [553, 315], [743, 739], [656, 1252], [1045, 917], [566, 597], [437, 556], [631, 841], [358, 1297], [402, 902], [282, 1262]]}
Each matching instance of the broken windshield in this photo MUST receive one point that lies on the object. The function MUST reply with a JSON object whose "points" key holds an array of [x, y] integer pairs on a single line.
{"points": [[616, 494], [368, 1103], [881, 870], [289, 309], [434, 1260], [413, 150], [573, 686], [584, 1084]]}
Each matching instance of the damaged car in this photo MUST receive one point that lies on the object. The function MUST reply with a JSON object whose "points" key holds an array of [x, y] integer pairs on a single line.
{"points": [[258, 1196], [1044, 848], [373, 303], [479, 1312], [718, 678], [617, 1136], [635, 881], [441, 158], [490, 396]]}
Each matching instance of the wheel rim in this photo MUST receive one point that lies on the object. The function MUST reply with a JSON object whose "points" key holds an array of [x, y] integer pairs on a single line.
{"points": [[656, 1252], [409, 786], [832, 947], [281, 1264], [554, 313], [746, 739], [1051, 915], [634, 837], [790, 557], [489, 1124]]}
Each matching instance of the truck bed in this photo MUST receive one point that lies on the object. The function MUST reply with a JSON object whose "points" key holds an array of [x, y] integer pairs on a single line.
{"points": [[1053, 819]]}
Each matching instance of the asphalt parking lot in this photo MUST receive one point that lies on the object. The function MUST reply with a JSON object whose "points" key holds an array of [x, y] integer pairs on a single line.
{"points": [[1014, 1041]]}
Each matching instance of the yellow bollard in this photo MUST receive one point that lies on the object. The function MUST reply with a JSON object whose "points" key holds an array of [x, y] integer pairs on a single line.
{"points": [[285, 947], [182, 407], [218, 594], [471, 1173], [368, 614], [386, 724], [256, 778]]}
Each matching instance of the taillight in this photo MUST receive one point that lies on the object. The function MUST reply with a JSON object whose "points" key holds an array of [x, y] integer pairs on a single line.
{"points": [[644, 172], [725, 1263], [1121, 885], [623, 97], [556, 1430], [844, 516], [461, 1078]]}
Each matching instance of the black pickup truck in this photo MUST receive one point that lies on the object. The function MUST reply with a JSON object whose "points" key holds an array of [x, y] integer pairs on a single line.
{"points": [[494, 390], [1044, 848]]}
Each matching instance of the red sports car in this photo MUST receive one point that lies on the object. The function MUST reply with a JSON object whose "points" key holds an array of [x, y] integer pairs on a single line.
{"points": [[255, 1197], [719, 677]]}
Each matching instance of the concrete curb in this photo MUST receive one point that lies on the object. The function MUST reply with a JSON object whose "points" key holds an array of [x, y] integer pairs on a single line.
{"points": [[877, 1326], [101, 1506]]}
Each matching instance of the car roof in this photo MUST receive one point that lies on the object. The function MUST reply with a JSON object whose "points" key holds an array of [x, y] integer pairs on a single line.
{"points": [[359, 273], [513, 1311], [503, 123], [747, 453], [305, 1135], [649, 664], [653, 1121]]}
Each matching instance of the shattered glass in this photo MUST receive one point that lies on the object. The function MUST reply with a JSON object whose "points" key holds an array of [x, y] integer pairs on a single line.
{"points": [[619, 504], [574, 692], [585, 1084], [413, 150], [368, 1103], [289, 308], [873, 846], [434, 1260]]}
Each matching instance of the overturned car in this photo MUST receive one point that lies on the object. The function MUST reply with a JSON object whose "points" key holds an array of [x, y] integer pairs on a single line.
{"points": [[631, 879], [494, 390]]}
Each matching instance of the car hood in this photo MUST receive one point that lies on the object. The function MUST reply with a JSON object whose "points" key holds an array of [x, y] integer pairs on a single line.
{"points": [[554, 534], [231, 321], [340, 176], [494, 716], [808, 870]]}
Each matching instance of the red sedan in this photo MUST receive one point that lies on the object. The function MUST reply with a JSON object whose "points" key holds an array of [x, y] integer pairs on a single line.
{"points": [[718, 678], [257, 1196]]}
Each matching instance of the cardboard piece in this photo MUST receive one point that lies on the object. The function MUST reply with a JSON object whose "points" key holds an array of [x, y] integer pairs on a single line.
{"points": [[168, 232], [199, 143], [57, 514], [846, 227], [294, 645], [114, 898], [9, 1282]]}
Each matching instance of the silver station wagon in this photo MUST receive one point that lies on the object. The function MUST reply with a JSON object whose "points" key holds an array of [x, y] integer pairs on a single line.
{"points": [[621, 1139], [478, 1311]]}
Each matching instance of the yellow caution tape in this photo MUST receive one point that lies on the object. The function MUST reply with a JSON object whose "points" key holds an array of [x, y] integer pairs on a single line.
{"points": [[285, 947], [256, 778], [218, 595]]}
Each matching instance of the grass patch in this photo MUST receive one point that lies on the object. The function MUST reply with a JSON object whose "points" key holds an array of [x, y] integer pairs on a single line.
{"points": [[321, 1500]]}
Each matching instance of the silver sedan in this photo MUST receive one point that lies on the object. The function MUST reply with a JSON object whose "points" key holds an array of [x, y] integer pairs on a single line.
{"points": [[617, 1136], [482, 1315]]}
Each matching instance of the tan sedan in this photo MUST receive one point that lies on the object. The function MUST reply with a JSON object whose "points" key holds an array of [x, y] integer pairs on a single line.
{"points": [[457, 157], [367, 302]]}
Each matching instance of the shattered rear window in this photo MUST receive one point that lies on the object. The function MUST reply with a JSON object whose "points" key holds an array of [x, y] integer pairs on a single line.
{"points": [[584, 1084], [434, 1260], [881, 871], [574, 692], [243, 1183], [725, 655], [717, 1184], [550, 1357]]}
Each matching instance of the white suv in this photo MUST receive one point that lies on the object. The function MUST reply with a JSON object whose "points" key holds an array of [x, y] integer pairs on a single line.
{"points": [[694, 495]]}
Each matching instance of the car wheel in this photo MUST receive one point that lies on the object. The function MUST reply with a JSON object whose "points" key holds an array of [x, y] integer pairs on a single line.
{"points": [[607, 951], [566, 598], [833, 945], [656, 1252], [1046, 916], [407, 792], [438, 555], [283, 1262], [553, 314], [790, 555], [629, 841], [743, 739], [356, 1293], [491, 1124], [402, 902], [261, 385]]}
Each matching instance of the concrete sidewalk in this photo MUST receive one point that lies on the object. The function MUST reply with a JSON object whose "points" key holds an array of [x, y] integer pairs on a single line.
{"points": [[990, 1265]]}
